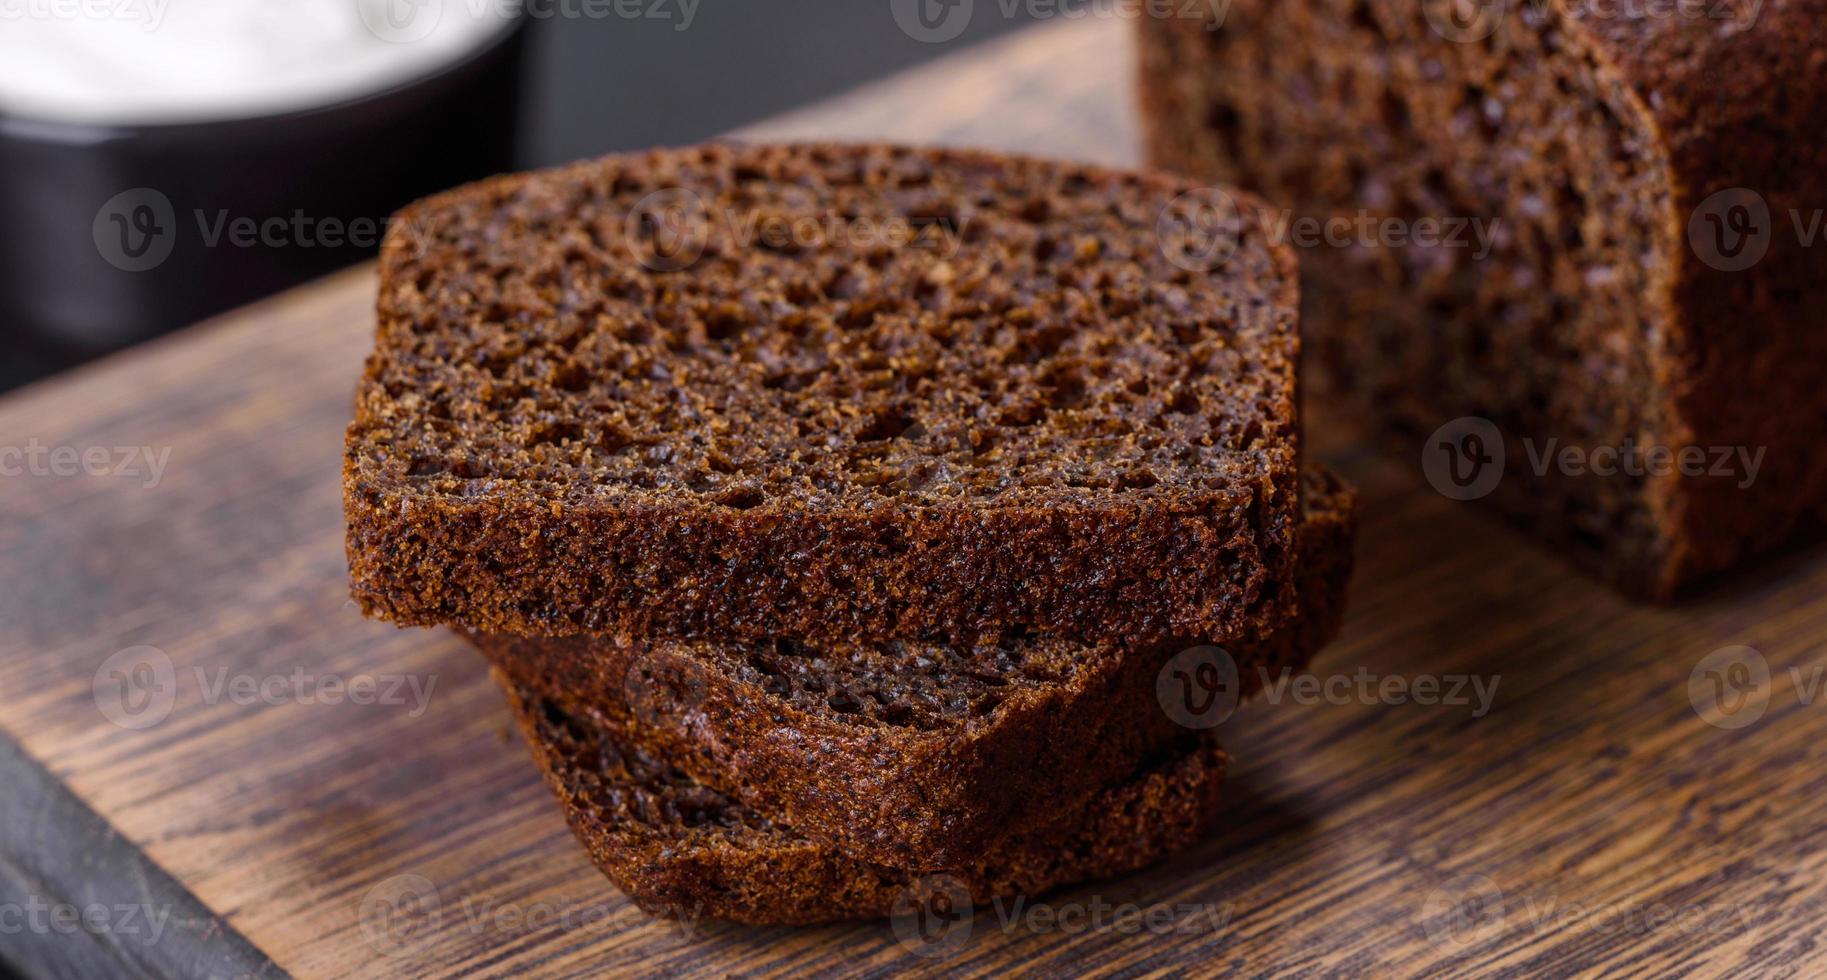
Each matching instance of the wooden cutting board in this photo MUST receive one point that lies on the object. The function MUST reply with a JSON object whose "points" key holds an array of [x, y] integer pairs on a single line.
{"points": [[166, 644]]}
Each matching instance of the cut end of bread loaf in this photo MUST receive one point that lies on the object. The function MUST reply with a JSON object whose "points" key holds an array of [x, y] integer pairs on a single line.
{"points": [[801, 391], [681, 849]]}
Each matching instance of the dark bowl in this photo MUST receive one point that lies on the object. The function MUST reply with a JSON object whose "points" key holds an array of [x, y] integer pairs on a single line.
{"points": [[112, 234]]}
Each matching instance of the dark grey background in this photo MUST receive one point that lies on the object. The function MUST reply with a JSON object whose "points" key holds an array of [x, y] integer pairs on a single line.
{"points": [[602, 85]]}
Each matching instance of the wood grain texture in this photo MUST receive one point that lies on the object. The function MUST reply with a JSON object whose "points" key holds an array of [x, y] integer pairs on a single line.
{"points": [[1591, 820]]}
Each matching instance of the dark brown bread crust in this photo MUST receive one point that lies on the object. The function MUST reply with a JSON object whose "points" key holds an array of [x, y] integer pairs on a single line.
{"points": [[1595, 136], [681, 849], [911, 755], [1039, 424]]}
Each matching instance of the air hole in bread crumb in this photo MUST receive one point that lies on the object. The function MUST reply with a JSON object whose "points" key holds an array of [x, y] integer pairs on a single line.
{"points": [[1067, 391], [724, 321], [554, 433], [889, 423], [571, 377], [742, 497], [613, 440]]}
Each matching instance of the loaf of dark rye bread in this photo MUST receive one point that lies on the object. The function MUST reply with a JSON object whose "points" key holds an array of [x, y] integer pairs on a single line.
{"points": [[681, 849], [714, 393], [1637, 160], [914, 755]]}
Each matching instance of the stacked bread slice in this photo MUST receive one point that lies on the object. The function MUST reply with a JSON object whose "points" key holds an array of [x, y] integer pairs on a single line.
{"points": [[832, 514]]}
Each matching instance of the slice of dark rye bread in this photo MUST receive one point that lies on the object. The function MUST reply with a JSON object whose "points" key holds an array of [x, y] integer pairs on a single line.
{"points": [[679, 848], [915, 755], [1031, 420], [1612, 310]]}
